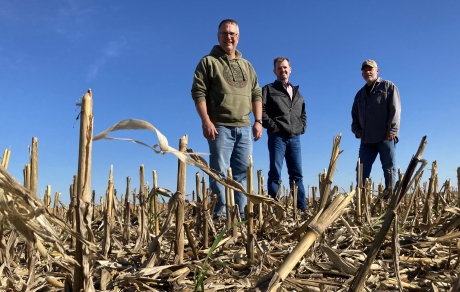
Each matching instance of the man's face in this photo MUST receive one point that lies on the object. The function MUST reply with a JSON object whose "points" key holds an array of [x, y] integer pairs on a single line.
{"points": [[369, 74], [228, 37], [282, 70]]}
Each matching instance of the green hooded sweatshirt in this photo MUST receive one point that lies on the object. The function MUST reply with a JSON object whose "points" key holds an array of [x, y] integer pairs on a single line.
{"points": [[229, 86]]}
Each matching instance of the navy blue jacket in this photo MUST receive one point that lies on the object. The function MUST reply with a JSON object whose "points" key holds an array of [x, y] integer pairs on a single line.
{"points": [[377, 114]]}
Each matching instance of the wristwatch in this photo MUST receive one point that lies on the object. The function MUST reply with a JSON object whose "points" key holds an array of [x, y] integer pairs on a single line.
{"points": [[259, 121]]}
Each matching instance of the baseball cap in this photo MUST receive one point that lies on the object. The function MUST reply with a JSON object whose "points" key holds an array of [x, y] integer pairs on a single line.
{"points": [[370, 63]]}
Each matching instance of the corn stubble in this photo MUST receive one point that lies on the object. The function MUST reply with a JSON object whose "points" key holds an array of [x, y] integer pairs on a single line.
{"points": [[344, 241]]}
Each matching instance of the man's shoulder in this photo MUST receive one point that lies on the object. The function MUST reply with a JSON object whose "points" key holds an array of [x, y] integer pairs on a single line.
{"points": [[386, 85], [208, 58], [271, 86], [387, 82], [244, 61]]}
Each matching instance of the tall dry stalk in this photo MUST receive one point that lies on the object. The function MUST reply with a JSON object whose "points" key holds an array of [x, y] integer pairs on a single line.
{"points": [[34, 166], [205, 213], [367, 199], [127, 218], [228, 203], [294, 200], [197, 210], [250, 214], [73, 207], [156, 210], [142, 229], [108, 216], [180, 212], [33, 185], [134, 210], [142, 211], [82, 273], [260, 192], [359, 189]]}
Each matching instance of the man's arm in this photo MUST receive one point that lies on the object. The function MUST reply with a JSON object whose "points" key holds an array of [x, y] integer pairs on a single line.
{"points": [[209, 130], [355, 126], [257, 127], [199, 92], [394, 114], [303, 117], [256, 98], [267, 122]]}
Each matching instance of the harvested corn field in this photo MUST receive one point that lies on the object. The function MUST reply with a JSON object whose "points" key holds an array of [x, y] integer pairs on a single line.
{"points": [[352, 241]]}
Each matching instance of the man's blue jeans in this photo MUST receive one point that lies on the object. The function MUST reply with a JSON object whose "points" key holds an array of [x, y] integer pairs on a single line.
{"points": [[387, 152], [231, 148], [281, 147]]}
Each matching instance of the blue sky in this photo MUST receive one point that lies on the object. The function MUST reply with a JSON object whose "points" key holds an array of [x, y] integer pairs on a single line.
{"points": [[138, 58]]}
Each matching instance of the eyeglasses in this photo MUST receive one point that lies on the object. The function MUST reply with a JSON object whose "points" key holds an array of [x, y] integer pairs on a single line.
{"points": [[230, 34]]}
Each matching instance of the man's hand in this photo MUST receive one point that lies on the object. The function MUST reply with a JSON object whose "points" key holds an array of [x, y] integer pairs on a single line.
{"points": [[257, 131], [209, 130], [358, 134], [390, 137], [276, 129]]}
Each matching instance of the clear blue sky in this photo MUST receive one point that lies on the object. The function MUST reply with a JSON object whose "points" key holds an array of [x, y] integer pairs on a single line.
{"points": [[138, 57]]}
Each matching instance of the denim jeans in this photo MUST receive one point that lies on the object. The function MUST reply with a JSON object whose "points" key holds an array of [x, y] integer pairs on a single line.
{"points": [[281, 147], [386, 150], [231, 148]]}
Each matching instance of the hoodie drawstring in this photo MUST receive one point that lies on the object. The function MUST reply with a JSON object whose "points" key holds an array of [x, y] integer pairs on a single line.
{"points": [[241, 69]]}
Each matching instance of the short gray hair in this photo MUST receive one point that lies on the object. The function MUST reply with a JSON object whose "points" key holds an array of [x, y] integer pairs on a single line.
{"points": [[228, 20]]}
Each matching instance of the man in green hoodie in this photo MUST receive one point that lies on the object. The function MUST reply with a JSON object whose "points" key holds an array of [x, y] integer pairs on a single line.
{"points": [[225, 91]]}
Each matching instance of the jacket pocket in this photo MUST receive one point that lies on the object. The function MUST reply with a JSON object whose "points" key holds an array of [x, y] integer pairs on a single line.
{"points": [[380, 97]]}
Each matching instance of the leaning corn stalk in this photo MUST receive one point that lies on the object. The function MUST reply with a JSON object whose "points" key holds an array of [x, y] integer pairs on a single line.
{"points": [[326, 184], [400, 191], [195, 160], [316, 227]]}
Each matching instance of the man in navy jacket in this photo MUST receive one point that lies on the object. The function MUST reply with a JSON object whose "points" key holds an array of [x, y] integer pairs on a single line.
{"points": [[376, 115]]}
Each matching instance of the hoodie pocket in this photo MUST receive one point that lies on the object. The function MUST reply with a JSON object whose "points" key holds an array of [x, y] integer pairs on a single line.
{"points": [[234, 107]]}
